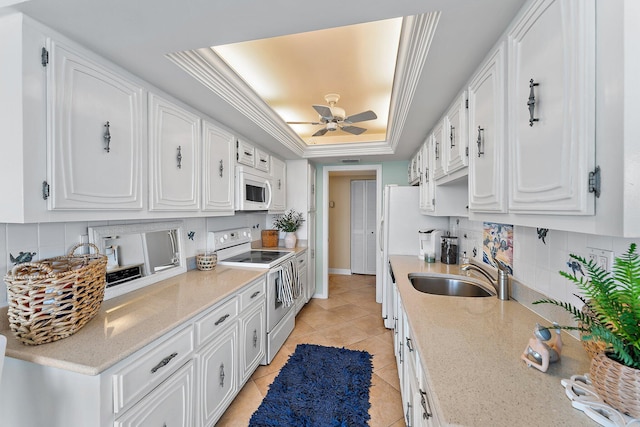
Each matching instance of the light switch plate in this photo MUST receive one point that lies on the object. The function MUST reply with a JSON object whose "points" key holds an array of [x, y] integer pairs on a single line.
{"points": [[603, 258]]}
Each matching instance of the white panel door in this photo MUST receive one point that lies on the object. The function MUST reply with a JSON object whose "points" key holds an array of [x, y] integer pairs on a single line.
{"points": [[486, 136], [174, 144], [363, 227], [552, 108], [217, 182], [278, 185], [456, 136], [95, 134]]}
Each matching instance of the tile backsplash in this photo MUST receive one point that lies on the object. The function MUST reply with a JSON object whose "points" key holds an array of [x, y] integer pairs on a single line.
{"points": [[536, 263], [54, 239]]}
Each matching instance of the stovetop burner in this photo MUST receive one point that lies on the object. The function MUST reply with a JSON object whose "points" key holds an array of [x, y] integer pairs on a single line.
{"points": [[257, 257]]}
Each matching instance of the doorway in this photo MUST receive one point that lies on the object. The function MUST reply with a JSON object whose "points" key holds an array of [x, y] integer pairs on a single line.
{"points": [[374, 171], [363, 226]]}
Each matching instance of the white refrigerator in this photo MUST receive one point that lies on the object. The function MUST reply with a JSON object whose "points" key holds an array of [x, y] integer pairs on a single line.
{"points": [[401, 220]]}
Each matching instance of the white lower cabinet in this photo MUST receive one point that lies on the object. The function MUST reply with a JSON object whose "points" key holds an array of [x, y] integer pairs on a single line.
{"points": [[253, 345], [187, 377], [168, 405], [217, 375], [417, 399]]}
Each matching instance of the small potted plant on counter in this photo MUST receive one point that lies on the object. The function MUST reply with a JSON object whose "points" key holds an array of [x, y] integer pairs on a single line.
{"points": [[611, 319], [289, 222]]}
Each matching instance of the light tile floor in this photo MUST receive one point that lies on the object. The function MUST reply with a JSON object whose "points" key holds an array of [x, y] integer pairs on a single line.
{"points": [[349, 318]]}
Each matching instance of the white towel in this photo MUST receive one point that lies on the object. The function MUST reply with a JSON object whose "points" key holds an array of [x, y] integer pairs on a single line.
{"points": [[289, 286]]}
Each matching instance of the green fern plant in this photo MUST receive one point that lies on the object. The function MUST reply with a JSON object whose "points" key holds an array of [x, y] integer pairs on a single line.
{"points": [[614, 302]]}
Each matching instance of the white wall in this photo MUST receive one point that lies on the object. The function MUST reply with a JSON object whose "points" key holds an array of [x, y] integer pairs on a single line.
{"points": [[55, 239]]}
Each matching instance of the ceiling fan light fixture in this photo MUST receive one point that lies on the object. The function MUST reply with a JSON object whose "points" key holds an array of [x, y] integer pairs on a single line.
{"points": [[331, 126]]}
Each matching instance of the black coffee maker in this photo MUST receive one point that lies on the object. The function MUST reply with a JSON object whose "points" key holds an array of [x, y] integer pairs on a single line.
{"points": [[449, 250]]}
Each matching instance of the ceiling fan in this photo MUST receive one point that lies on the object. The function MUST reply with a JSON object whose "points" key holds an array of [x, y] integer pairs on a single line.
{"points": [[334, 118]]}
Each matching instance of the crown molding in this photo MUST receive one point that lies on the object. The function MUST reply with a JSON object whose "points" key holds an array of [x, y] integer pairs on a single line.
{"points": [[209, 69]]}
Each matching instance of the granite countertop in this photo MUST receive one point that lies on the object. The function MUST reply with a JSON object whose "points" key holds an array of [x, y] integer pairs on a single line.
{"points": [[470, 349], [127, 323]]}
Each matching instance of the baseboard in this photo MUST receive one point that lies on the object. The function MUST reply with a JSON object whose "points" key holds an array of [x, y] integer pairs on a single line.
{"points": [[343, 271]]}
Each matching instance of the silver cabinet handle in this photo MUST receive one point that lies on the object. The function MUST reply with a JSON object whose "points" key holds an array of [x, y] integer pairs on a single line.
{"points": [[409, 345], [222, 375], [107, 137], [179, 157], [480, 141], [531, 103], [408, 415], [452, 136], [255, 294], [221, 319], [163, 362], [426, 406], [437, 150], [255, 338], [279, 184], [221, 168], [248, 153]]}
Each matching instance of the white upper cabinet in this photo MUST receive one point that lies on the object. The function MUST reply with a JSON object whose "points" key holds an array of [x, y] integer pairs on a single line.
{"points": [[438, 150], [551, 66], [262, 161], [486, 136], [174, 146], [311, 187], [427, 182], [245, 154], [95, 134], [218, 169], [456, 137], [278, 185]]}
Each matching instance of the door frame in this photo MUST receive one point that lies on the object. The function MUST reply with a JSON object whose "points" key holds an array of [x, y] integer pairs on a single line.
{"points": [[324, 291]]}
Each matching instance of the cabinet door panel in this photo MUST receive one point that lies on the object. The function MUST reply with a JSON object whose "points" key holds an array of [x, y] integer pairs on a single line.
{"points": [[278, 185], [218, 376], [171, 404], [218, 169], [438, 151], [93, 169], [254, 334], [456, 136], [486, 136], [553, 45], [174, 140]]}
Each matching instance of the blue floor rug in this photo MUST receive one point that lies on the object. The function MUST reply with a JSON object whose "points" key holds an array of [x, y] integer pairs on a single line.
{"points": [[319, 386]]}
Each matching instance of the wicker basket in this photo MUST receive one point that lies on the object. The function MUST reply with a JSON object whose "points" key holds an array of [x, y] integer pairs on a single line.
{"points": [[206, 261], [54, 298], [591, 346], [270, 238], [617, 384]]}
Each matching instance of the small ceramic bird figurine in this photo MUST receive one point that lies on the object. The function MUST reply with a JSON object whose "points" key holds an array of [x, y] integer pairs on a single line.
{"points": [[22, 257]]}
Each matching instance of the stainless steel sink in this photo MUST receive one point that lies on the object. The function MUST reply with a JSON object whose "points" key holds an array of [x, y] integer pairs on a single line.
{"points": [[450, 286]]}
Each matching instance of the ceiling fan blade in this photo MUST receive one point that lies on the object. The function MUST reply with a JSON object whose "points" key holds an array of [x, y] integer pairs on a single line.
{"points": [[320, 132], [353, 129], [324, 111], [304, 123], [361, 117]]}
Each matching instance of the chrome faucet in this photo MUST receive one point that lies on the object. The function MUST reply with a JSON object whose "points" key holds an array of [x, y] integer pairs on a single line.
{"points": [[501, 283]]}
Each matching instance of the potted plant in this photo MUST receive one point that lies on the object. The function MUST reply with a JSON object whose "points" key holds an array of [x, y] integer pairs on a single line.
{"points": [[611, 316], [289, 223]]}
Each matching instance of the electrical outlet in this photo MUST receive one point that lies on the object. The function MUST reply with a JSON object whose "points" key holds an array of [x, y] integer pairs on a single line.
{"points": [[603, 258]]}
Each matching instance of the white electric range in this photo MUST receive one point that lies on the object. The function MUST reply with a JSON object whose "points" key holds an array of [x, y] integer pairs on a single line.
{"points": [[233, 248]]}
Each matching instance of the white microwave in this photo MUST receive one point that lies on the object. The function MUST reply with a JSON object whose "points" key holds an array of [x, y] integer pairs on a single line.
{"points": [[253, 190]]}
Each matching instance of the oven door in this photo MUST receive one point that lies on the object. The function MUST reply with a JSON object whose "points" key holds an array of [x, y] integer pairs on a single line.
{"points": [[276, 310], [253, 191]]}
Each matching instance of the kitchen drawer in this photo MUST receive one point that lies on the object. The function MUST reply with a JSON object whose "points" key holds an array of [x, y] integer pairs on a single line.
{"points": [[216, 320], [245, 153], [171, 404], [252, 294], [263, 162], [301, 260], [139, 377]]}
